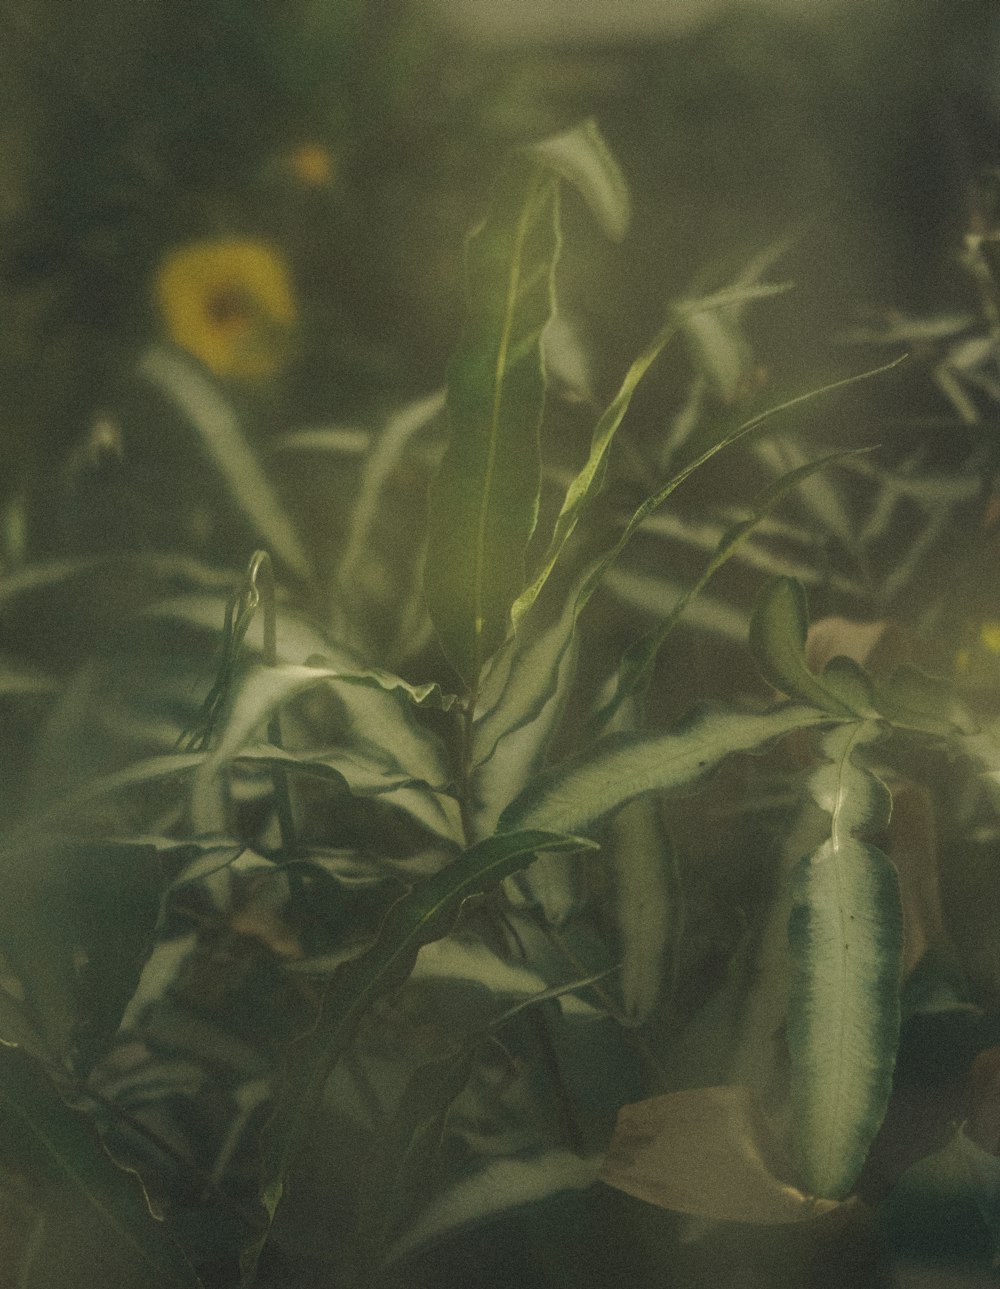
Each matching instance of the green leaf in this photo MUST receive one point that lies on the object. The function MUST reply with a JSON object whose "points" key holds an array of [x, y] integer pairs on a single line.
{"points": [[581, 156], [385, 456], [578, 794], [93, 1223], [365, 772], [656, 499], [912, 700], [522, 700], [845, 935], [215, 420], [778, 637], [378, 706], [484, 501], [588, 483], [637, 662], [76, 925], [646, 902], [590, 480], [417, 919], [494, 1187]]}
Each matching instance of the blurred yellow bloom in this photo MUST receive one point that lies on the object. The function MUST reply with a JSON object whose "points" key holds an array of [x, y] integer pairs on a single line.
{"points": [[989, 636], [313, 165], [229, 302]]}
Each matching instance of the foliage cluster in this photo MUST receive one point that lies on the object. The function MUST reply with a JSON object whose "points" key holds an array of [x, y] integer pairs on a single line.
{"points": [[379, 915]]}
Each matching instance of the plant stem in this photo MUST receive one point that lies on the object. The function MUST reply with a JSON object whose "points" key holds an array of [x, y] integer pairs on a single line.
{"points": [[465, 767], [260, 575]]}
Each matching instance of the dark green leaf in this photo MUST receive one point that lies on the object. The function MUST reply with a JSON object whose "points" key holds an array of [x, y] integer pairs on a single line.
{"points": [[778, 637], [92, 1221], [415, 920]]}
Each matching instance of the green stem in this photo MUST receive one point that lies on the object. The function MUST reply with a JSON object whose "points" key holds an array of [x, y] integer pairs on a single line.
{"points": [[465, 801], [260, 576]]}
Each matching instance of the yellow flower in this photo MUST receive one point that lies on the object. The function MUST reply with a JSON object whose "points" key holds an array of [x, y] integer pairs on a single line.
{"points": [[989, 636], [229, 302], [313, 165]]}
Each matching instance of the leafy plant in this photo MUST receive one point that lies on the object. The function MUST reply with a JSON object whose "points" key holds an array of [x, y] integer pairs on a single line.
{"points": [[444, 930]]}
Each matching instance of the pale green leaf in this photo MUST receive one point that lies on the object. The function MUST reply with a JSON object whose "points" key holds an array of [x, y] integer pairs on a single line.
{"points": [[846, 942], [656, 499], [214, 418], [492, 1188], [578, 794], [522, 700], [378, 708], [646, 902], [366, 772], [581, 156], [588, 483], [385, 455]]}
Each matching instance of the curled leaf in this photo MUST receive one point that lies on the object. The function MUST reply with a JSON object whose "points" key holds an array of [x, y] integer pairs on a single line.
{"points": [[709, 1152]]}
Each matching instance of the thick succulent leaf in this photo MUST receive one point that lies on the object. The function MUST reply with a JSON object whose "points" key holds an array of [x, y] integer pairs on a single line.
{"points": [[495, 1187], [582, 157], [846, 943], [92, 1221], [578, 794], [709, 1152], [778, 631], [637, 663], [425, 915], [484, 501]]}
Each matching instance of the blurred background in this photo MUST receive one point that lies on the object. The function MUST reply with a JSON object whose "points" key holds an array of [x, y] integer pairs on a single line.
{"points": [[277, 196]]}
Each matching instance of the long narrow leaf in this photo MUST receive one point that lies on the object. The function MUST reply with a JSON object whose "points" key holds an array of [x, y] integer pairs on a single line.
{"points": [[377, 702], [216, 423], [845, 934], [656, 499], [588, 483], [637, 663], [522, 701], [578, 794], [484, 501]]}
